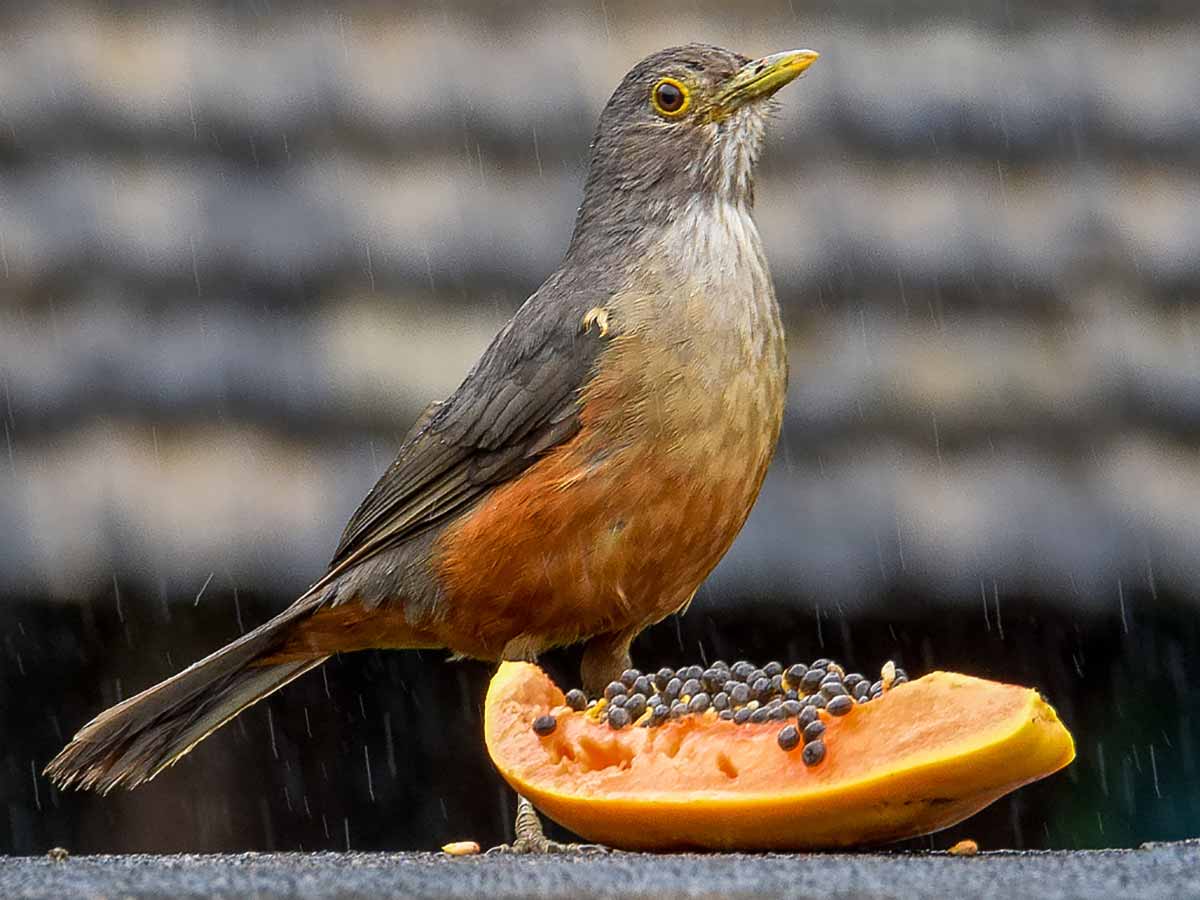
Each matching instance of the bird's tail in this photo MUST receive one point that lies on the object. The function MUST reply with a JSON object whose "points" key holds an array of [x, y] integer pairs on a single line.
{"points": [[135, 740]]}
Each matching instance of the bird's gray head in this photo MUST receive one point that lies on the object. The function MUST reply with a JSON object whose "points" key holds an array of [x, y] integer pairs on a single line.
{"points": [[686, 123]]}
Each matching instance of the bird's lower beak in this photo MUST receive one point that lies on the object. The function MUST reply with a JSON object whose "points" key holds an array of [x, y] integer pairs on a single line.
{"points": [[763, 77]]}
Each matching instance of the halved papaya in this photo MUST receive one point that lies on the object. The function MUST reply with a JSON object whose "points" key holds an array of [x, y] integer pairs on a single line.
{"points": [[922, 757]]}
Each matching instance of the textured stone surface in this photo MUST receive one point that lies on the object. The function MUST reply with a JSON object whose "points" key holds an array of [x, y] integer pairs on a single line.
{"points": [[1161, 871]]}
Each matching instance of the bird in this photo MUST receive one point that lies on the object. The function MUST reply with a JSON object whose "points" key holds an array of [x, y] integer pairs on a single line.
{"points": [[592, 467]]}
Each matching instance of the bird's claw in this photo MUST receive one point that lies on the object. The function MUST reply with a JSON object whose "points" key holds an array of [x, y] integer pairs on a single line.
{"points": [[531, 846]]}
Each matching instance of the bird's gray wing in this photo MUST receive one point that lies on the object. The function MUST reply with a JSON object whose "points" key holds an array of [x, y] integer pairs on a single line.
{"points": [[520, 400]]}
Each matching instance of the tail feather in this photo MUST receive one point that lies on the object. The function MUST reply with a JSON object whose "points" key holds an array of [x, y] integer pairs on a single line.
{"points": [[135, 740]]}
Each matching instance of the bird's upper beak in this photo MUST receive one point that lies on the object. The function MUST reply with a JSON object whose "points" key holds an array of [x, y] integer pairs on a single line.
{"points": [[761, 78]]}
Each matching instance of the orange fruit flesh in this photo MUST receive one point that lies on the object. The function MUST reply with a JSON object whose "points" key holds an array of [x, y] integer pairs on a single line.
{"points": [[925, 756]]}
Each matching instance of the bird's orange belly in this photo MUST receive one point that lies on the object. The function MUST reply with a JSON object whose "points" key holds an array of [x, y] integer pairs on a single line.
{"points": [[576, 547]]}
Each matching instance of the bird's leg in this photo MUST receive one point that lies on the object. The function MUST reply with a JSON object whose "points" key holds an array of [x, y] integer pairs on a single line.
{"points": [[604, 659], [532, 839]]}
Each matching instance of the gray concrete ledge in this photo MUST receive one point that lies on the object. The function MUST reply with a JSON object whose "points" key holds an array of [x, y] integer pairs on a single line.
{"points": [[1153, 871]]}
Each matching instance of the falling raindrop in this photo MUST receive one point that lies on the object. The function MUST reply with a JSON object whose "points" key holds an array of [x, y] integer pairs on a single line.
{"points": [[367, 763], [271, 729], [1154, 772], [203, 588], [37, 796], [390, 743]]}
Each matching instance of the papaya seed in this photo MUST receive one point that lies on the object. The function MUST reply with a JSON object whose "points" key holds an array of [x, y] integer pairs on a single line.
{"points": [[789, 737], [543, 726], [887, 675], [812, 679], [673, 688], [831, 689], [741, 669], [796, 672], [618, 718], [840, 705], [813, 752]]}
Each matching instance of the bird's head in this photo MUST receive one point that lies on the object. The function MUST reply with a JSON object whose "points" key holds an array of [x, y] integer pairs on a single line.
{"points": [[686, 122]]}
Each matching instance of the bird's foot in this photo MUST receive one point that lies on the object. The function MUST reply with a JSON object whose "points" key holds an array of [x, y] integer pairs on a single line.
{"points": [[531, 839], [543, 844]]}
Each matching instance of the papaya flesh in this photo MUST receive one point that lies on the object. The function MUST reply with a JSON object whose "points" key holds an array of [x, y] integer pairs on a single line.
{"points": [[924, 756]]}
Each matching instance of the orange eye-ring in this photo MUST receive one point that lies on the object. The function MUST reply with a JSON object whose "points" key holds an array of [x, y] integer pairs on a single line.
{"points": [[670, 98]]}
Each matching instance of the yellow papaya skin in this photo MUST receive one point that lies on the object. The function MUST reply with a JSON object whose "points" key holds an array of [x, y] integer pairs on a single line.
{"points": [[923, 757]]}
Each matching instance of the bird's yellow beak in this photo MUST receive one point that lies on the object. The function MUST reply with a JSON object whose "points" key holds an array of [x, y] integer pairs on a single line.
{"points": [[762, 78]]}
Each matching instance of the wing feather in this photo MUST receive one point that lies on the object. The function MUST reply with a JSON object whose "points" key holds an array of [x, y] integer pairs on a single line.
{"points": [[519, 401]]}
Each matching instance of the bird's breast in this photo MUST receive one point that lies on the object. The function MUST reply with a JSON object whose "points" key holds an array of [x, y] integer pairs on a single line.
{"points": [[618, 527]]}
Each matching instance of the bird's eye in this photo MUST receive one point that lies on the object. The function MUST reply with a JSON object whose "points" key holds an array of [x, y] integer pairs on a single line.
{"points": [[670, 98]]}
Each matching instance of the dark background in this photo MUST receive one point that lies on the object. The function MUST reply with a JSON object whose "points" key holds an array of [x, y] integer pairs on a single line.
{"points": [[241, 245]]}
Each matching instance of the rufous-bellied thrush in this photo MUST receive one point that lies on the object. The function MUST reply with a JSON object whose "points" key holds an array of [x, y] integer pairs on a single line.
{"points": [[593, 466]]}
